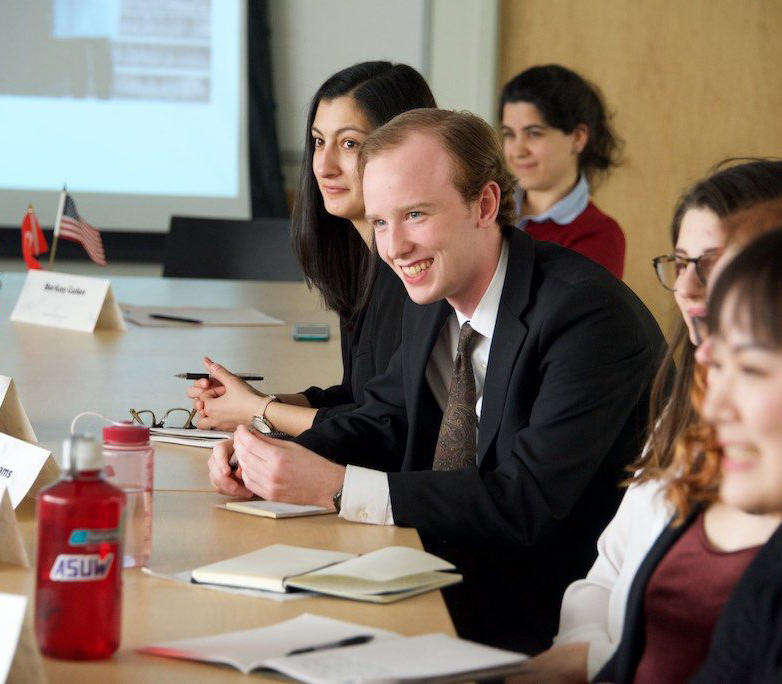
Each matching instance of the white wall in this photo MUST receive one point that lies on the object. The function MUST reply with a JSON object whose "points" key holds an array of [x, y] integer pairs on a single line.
{"points": [[453, 43]]}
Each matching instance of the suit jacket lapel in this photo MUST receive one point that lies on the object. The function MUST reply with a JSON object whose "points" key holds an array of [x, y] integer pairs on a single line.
{"points": [[508, 337]]}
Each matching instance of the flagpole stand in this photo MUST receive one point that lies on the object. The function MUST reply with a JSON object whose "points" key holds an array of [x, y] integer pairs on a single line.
{"points": [[56, 236]]}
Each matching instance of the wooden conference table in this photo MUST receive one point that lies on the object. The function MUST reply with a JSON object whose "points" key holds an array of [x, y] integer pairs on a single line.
{"points": [[59, 374]]}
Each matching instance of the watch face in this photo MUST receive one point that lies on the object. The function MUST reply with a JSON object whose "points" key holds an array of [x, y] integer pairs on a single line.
{"points": [[260, 425]]}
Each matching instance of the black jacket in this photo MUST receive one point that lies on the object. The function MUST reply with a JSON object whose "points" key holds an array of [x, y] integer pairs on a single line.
{"points": [[564, 411]]}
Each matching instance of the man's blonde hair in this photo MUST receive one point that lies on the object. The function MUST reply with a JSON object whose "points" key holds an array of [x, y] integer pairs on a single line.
{"points": [[469, 141]]}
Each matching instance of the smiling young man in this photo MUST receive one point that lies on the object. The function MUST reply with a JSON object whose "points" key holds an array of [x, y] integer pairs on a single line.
{"points": [[516, 398]]}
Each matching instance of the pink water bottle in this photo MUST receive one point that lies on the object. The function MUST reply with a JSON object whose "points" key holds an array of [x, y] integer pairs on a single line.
{"points": [[78, 598], [129, 462]]}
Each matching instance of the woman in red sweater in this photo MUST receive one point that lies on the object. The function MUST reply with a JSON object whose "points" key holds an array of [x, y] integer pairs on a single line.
{"points": [[557, 139]]}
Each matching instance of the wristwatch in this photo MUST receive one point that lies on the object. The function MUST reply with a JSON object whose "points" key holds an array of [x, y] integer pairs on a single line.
{"points": [[262, 423], [337, 499]]}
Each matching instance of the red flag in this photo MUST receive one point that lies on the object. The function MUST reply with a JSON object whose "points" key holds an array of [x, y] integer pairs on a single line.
{"points": [[71, 226], [33, 240]]}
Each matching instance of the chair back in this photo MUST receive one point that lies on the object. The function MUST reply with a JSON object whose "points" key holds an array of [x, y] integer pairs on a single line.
{"points": [[258, 249]]}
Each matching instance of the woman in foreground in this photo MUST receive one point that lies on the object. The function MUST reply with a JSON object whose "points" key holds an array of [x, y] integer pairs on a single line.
{"points": [[744, 403], [725, 206]]}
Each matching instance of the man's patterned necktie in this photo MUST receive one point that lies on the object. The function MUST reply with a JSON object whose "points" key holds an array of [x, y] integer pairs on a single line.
{"points": [[456, 441]]}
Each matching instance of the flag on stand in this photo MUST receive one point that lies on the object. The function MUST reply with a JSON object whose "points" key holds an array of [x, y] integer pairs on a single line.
{"points": [[71, 226], [33, 240]]}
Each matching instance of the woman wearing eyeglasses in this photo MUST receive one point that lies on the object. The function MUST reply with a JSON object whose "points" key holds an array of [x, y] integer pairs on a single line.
{"points": [[593, 609], [333, 243]]}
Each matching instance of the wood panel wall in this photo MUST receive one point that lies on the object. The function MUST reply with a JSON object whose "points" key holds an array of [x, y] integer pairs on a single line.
{"points": [[690, 81]]}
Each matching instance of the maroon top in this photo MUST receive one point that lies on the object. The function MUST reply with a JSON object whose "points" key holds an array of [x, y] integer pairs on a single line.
{"points": [[683, 599], [592, 233]]}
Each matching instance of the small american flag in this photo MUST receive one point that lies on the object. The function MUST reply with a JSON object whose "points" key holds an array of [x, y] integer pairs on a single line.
{"points": [[71, 226]]}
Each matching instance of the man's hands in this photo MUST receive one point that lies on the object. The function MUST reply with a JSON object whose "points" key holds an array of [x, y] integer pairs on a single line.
{"points": [[223, 479], [224, 400], [277, 470]]}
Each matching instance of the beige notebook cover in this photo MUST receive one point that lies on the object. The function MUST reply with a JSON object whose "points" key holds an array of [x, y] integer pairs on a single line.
{"points": [[268, 568]]}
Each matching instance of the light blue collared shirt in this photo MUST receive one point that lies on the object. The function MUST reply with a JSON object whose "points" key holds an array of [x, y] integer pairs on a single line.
{"points": [[563, 212]]}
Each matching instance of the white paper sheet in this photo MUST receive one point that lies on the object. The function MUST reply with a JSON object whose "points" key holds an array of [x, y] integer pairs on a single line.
{"points": [[207, 315]]}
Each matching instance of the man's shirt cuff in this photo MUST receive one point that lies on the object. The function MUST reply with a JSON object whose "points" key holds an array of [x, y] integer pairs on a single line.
{"points": [[366, 497]]}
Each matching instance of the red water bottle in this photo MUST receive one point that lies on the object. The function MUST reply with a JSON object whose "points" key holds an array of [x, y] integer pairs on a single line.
{"points": [[78, 599]]}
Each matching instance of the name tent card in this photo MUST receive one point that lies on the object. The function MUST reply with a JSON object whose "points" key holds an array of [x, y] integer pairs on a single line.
{"points": [[61, 300], [11, 547], [13, 419], [20, 659], [25, 468], [12, 610]]}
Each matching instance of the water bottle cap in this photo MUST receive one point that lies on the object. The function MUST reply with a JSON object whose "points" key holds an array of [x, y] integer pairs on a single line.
{"points": [[127, 433], [81, 452]]}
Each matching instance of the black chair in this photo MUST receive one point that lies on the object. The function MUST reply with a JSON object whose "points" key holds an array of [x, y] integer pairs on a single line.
{"points": [[236, 249]]}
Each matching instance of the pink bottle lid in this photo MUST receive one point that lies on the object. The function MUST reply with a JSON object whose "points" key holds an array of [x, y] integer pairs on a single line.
{"points": [[127, 433]]}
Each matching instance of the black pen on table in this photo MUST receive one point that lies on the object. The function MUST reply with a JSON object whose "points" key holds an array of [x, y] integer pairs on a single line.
{"points": [[350, 641], [175, 319], [203, 376]]}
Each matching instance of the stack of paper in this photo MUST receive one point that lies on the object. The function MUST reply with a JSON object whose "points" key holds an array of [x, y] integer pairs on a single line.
{"points": [[188, 437]]}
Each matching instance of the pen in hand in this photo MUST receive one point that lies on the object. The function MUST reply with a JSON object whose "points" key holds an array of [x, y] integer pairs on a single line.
{"points": [[203, 376], [350, 641]]}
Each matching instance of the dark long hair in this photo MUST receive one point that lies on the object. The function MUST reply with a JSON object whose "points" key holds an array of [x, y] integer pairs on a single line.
{"points": [[331, 252], [736, 185], [565, 100]]}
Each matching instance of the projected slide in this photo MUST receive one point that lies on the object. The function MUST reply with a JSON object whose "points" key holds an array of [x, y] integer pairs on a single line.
{"points": [[128, 97]]}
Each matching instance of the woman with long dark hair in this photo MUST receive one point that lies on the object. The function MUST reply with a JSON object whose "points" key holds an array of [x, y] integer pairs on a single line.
{"points": [[333, 243], [558, 140]]}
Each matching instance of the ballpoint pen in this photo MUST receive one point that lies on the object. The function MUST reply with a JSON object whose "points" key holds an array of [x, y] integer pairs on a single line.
{"points": [[350, 641], [202, 376], [175, 319]]}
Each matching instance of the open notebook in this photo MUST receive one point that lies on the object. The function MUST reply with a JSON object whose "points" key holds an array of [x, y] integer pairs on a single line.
{"points": [[382, 576], [384, 656]]}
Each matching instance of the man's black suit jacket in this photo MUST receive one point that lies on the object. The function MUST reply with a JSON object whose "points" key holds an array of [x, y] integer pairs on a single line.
{"points": [[565, 408]]}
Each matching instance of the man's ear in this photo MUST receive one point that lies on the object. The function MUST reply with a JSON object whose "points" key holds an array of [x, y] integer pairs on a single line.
{"points": [[580, 138], [488, 204]]}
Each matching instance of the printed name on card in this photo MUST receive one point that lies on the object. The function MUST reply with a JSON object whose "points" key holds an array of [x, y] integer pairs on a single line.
{"points": [[25, 468], [61, 300], [12, 549], [13, 419]]}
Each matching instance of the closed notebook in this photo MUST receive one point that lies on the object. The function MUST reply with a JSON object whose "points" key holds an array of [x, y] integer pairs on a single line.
{"points": [[382, 576], [275, 509]]}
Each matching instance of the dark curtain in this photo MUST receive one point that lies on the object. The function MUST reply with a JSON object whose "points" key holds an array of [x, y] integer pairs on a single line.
{"points": [[266, 184]]}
